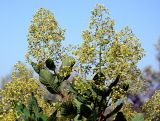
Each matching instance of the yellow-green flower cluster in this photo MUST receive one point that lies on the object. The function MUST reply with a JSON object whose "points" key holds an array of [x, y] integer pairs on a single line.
{"points": [[48, 108], [117, 94], [20, 89], [122, 57], [21, 72], [97, 35], [82, 86], [109, 51], [9, 116], [152, 107], [44, 37], [128, 111]]}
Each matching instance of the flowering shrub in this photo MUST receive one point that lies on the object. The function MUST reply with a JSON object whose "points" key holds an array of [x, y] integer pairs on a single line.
{"points": [[101, 50], [105, 66]]}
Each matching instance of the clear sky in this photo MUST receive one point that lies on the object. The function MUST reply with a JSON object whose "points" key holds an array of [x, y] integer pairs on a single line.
{"points": [[143, 16]]}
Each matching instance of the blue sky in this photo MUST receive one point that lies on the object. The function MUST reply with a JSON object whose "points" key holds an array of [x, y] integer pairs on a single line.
{"points": [[143, 16]]}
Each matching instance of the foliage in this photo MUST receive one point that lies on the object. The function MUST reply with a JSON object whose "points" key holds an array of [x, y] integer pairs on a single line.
{"points": [[30, 113], [89, 103], [86, 103], [138, 117], [53, 82]]}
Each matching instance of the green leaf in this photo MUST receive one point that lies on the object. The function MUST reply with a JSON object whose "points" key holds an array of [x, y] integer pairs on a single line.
{"points": [[32, 104], [78, 118], [54, 89], [20, 107], [68, 61], [85, 111], [36, 67], [87, 93], [73, 90], [83, 100], [26, 112], [68, 109], [138, 117], [42, 117], [46, 77], [22, 110], [51, 81], [78, 96], [93, 116], [50, 64]]}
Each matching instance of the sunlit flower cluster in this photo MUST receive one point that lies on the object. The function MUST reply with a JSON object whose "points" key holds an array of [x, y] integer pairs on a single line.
{"points": [[80, 85], [98, 35], [44, 37], [9, 116], [21, 72], [122, 57], [152, 107], [109, 51], [118, 93], [19, 89]]}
